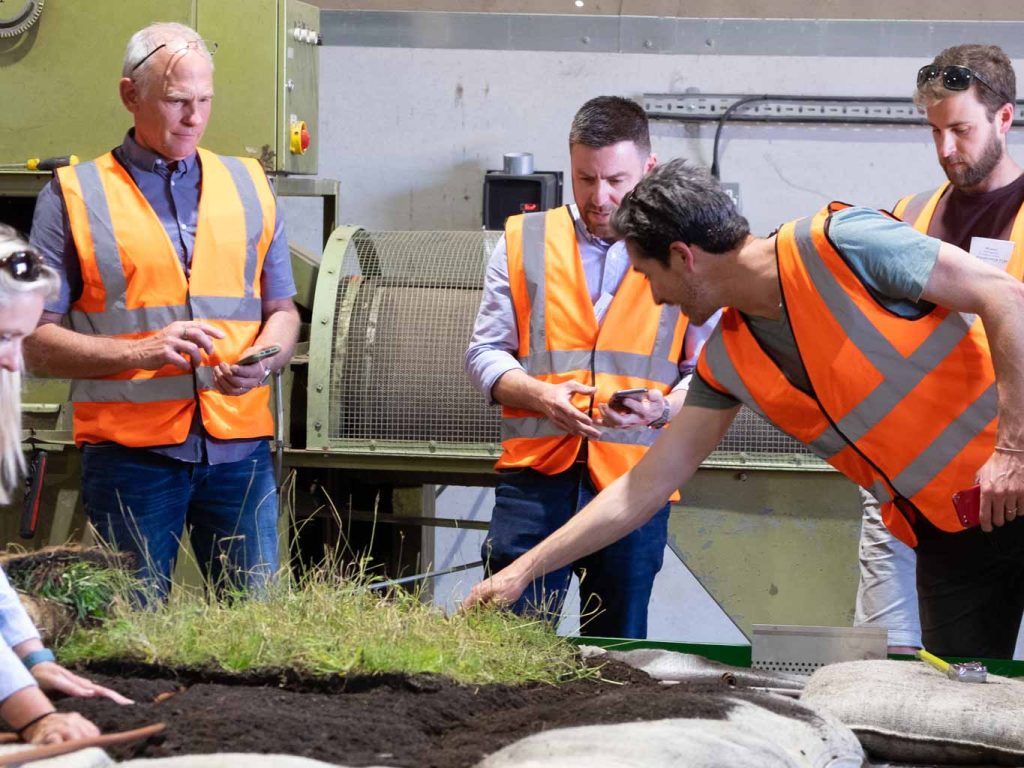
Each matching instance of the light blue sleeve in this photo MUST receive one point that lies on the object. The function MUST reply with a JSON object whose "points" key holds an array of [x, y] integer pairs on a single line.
{"points": [[276, 280], [889, 256], [490, 354], [15, 625]]}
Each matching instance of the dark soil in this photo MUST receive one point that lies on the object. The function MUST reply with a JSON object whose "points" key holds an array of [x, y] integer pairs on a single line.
{"points": [[391, 720]]}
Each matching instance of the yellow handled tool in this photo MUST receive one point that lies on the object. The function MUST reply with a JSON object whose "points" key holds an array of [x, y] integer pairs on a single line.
{"points": [[41, 164], [967, 672]]}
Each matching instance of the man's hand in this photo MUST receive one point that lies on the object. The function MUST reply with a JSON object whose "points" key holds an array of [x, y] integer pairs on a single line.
{"points": [[503, 588], [54, 678], [58, 727], [1002, 489], [556, 403], [642, 411], [178, 344], [239, 379]]}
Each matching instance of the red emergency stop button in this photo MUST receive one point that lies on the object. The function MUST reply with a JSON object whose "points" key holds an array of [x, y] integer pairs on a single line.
{"points": [[300, 139]]}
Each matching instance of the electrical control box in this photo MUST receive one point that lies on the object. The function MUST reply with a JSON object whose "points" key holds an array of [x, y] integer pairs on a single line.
{"points": [[507, 194], [60, 62]]}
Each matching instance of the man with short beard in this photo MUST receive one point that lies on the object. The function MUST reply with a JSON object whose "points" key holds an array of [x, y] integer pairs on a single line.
{"points": [[968, 93], [563, 324]]}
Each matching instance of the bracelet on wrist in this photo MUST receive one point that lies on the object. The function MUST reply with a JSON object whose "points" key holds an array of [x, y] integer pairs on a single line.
{"points": [[37, 657], [1007, 449], [33, 721]]}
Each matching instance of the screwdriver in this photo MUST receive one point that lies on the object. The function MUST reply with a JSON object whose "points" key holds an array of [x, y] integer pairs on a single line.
{"points": [[41, 164]]}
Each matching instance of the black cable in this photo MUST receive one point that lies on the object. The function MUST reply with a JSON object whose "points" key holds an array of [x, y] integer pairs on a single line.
{"points": [[721, 124], [778, 97]]}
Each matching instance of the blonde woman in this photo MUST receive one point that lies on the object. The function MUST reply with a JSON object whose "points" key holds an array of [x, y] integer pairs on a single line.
{"points": [[25, 665]]}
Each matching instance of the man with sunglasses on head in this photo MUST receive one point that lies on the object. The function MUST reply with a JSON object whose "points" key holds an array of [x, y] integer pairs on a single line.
{"points": [[175, 268], [968, 94]]}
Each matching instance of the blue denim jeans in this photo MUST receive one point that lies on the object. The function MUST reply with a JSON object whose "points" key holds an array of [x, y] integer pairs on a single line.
{"points": [[143, 503], [615, 581]]}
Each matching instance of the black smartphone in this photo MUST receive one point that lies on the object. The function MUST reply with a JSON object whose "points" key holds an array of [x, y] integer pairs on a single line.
{"points": [[259, 354], [616, 402]]}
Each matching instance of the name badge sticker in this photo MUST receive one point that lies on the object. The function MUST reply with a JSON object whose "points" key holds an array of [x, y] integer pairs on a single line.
{"points": [[997, 253]]}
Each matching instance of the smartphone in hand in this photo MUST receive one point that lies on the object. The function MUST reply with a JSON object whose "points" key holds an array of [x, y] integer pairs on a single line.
{"points": [[259, 354], [967, 504], [616, 401]]}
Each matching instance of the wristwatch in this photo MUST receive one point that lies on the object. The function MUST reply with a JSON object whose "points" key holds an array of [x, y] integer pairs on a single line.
{"points": [[662, 420]]}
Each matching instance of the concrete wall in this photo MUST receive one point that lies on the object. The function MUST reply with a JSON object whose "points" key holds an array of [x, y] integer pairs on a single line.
{"points": [[410, 132]]}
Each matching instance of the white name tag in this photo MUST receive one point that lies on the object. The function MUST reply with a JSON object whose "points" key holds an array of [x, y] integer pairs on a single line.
{"points": [[994, 252]]}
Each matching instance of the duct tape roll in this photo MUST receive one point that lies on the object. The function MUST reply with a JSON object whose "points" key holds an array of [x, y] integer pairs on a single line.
{"points": [[518, 163]]}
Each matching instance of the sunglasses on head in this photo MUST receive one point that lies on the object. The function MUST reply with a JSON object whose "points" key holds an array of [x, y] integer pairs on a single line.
{"points": [[196, 45], [954, 78], [25, 266]]}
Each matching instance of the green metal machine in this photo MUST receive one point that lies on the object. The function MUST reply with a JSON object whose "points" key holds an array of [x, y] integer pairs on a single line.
{"points": [[59, 76]]}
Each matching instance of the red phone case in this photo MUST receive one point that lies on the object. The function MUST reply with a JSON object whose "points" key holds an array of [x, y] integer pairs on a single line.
{"points": [[967, 504]]}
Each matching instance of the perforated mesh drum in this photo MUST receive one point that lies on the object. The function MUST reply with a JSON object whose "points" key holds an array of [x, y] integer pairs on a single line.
{"points": [[394, 313]]}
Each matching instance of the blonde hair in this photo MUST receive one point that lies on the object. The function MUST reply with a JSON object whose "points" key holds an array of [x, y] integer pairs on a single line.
{"points": [[12, 460]]}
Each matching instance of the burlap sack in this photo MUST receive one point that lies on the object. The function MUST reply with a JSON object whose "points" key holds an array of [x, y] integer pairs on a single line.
{"points": [[749, 737], [907, 711]]}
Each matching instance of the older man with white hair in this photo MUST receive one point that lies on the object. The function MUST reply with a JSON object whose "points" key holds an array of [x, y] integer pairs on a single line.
{"points": [[176, 274]]}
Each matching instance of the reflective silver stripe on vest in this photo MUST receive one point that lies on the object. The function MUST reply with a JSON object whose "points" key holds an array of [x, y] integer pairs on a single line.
{"points": [[533, 269], [529, 426], [658, 369], [535, 426], [253, 217], [826, 445], [550, 361], [637, 436], [880, 491], [915, 205], [132, 390], [101, 230], [901, 374], [226, 308], [950, 442], [204, 377], [120, 321], [667, 322]]}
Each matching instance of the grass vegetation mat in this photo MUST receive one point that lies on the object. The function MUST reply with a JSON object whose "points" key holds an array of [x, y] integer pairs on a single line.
{"points": [[329, 626]]}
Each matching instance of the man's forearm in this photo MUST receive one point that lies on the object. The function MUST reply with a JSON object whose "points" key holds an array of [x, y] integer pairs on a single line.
{"points": [[1005, 330], [632, 499], [517, 389], [280, 327], [56, 351]]}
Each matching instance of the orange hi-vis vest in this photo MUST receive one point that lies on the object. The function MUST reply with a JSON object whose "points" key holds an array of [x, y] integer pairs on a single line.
{"points": [[638, 344], [919, 209], [906, 408], [134, 286]]}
